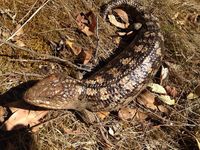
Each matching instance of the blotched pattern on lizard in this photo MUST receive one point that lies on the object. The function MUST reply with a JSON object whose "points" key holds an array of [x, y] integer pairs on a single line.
{"points": [[112, 86]]}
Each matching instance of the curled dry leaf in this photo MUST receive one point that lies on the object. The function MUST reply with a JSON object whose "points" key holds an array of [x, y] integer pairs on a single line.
{"points": [[122, 14], [171, 91], [157, 88], [87, 23], [87, 31], [147, 99], [163, 109], [102, 114], [116, 23], [127, 113], [130, 113], [19, 43], [167, 99], [86, 56], [22, 118], [192, 96], [75, 49]]}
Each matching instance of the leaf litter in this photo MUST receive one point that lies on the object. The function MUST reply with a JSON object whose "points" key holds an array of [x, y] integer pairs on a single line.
{"points": [[149, 100]]}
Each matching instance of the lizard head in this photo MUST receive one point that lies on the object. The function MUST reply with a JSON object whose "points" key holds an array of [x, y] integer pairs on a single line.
{"points": [[55, 92]]}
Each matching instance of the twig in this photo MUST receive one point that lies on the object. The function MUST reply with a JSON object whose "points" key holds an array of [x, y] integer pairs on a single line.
{"points": [[15, 33], [44, 55], [25, 60], [97, 46]]}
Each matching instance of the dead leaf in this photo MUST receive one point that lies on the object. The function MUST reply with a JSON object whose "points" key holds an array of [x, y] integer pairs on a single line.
{"points": [[87, 23], [75, 49], [102, 114], [87, 31], [163, 109], [19, 43], [81, 21], [122, 14], [171, 91], [147, 99], [116, 23], [157, 88], [127, 113], [93, 21], [86, 56], [192, 96], [130, 113], [167, 99], [23, 117]]}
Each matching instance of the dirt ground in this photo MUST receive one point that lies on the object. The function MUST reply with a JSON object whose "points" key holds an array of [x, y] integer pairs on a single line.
{"points": [[34, 54]]}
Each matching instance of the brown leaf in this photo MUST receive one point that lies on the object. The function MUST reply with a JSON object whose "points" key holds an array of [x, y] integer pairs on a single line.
{"points": [[171, 91], [19, 43], [163, 109], [122, 14], [87, 23], [130, 113], [93, 21], [75, 49], [87, 31], [147, 99], [127, 113], [86, 56], [22, 118], [116, 23], [80, 20], [102, 114]]}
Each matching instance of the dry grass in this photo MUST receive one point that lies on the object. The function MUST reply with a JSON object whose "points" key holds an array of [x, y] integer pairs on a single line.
{"points": [[57, 19]]}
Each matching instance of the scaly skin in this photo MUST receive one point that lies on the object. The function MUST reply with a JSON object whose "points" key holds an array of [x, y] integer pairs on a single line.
{"points": [[112, 86]]}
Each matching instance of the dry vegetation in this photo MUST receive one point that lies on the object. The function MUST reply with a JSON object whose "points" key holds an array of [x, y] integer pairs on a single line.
{"points": [[180, 23]]}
